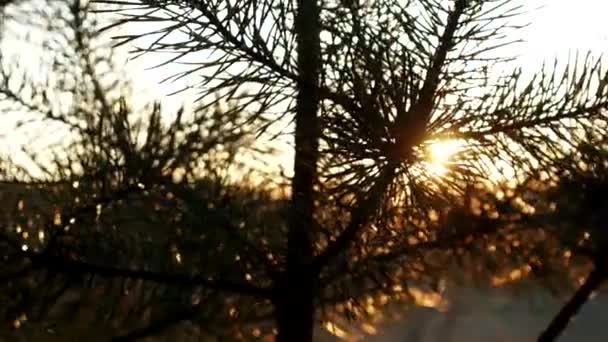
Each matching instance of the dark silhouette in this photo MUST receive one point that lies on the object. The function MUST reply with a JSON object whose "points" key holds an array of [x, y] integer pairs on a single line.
{"points": [[580, 220]]}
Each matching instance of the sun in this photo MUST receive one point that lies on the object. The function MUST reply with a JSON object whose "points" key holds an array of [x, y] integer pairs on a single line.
{"points": [[440, 153]]}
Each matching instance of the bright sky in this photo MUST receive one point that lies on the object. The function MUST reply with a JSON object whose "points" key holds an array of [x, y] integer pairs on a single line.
{"points": [[556, 27]]}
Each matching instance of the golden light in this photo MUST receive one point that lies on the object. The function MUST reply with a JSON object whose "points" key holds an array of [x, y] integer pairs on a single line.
{"points": [[335, 330], [440, 153], [369, 329], [428, 299], [512, 276]]}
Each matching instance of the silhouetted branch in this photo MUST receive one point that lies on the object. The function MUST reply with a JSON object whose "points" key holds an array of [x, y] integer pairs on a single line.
{"points": [[365, 209], [48, 259], [190, 198], [409, 127], [571, 308], [74, 266], [482, 227], [530, 123]]}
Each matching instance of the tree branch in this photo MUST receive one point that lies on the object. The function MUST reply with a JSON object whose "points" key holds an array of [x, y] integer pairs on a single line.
{"points": [[47, 259], [408, 133], [485, 227], [570, 309], [517, 126], [361, 214], [410, 126], [71, 266]]}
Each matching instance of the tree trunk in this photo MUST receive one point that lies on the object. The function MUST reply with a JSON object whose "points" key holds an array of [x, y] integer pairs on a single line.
{"points": [[294, 309], [560, 322], [295, 292]]}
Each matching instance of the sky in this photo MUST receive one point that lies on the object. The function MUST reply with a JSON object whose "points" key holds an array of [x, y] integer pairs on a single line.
{"points": [[556, 27]]}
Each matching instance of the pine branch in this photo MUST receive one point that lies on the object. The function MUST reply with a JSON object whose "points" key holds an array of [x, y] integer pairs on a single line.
{"points": [[408, 133], [571, 308], [49, 261]]}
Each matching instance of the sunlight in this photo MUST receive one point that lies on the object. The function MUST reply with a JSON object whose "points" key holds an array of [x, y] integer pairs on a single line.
{"points": [[335, 330], [440, 153], [428, 299]]}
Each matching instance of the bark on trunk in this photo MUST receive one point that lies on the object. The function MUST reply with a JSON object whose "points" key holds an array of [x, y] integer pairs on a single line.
{"points": [[560, 322], [295, 292], [294, 309]]}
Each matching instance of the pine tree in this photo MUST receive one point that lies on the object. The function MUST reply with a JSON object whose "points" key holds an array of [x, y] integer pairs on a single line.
{"points": [[370, 88]]}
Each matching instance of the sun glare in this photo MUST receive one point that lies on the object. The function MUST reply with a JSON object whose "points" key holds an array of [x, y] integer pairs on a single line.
{"points": [[440, 153]]}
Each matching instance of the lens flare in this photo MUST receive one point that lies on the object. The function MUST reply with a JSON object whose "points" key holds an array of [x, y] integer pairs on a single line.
{"points": [[440, 154]]}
